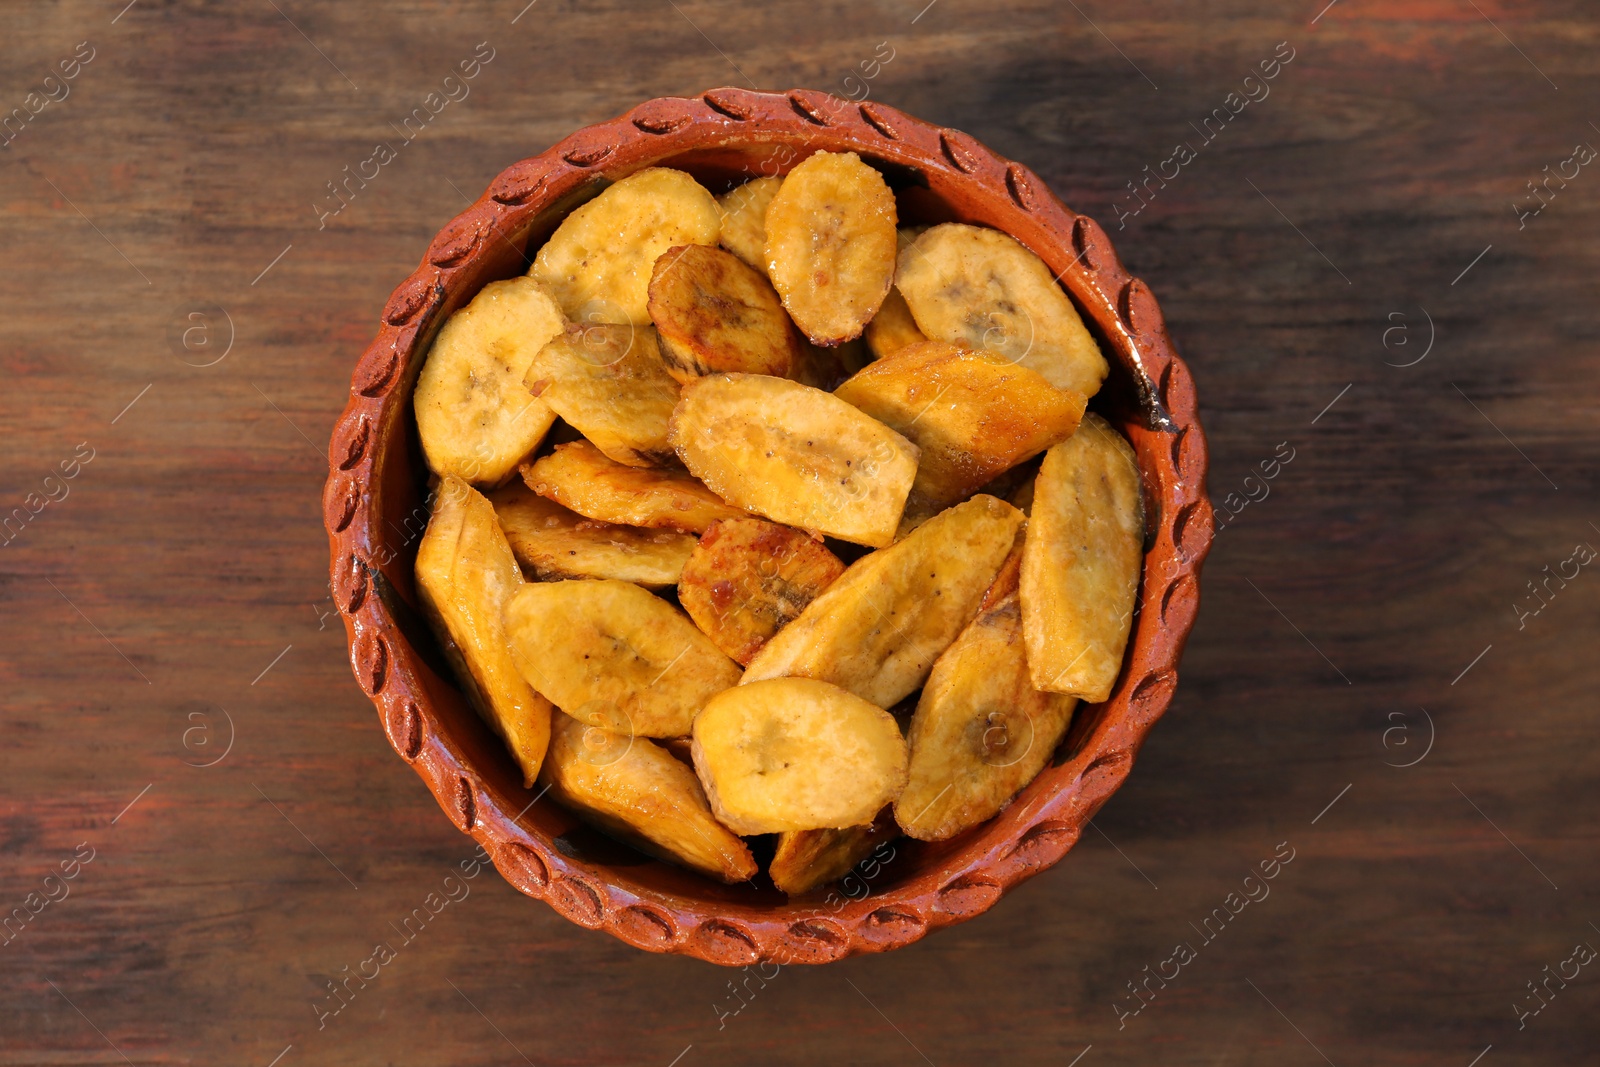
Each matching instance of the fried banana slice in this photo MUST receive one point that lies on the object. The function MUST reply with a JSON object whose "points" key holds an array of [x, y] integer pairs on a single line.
{"points": [[831, 245], [892, 328], [598, 262], [553, 542], [981, 731], [465, 576], [1080, 568], [612, 655], [476, 419], [714, 313], [578, 475], [806, 859], [748, 578], [744, 220], [608, 383], [982, 289], [795, 454], [638, 792], [877, 630], [796, 754], [973, 414]]}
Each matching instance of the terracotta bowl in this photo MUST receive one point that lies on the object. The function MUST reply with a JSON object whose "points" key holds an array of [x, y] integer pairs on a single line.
{"points": [[375, 510]]}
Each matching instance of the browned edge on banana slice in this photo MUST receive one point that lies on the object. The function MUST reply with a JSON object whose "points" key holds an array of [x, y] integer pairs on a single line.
{"points": [[796, 754], [607, 381], [636, 791], [795, 454], [553, 542], [612, 655], [465, 576], [1081, 564], [715, 313], [807, 859], [831, 245], [578, 476], [877, 630], [748, 578], [973, 414]]}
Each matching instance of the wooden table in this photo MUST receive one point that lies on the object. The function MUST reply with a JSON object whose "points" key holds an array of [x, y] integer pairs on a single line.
{"points": [[1343, 266]]}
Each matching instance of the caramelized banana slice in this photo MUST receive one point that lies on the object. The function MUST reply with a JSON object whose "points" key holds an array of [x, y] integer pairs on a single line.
{"points": [[877, 630], [715, 313], [608, 383], [831, 245], [973, 414], [636, 791], [796, 754], [578, 476], [465, 576], [795, 454], [614, 656], [476, 419], [1080, 569], [598, 262], [982, 289], [806, 859], [744, 220], [748, 578], [981, 731], [553, 542], [892, 328]]}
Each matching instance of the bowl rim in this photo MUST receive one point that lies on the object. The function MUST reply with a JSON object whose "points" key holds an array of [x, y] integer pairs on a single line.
{"points": [[1047, 818]]}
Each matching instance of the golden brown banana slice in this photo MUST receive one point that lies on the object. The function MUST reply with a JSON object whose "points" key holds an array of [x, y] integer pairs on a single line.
{"points": [[747, 578], [597, 264], [578, 475], [831, 245], [607, 382], [465, 576], [714, 313], [806, 859], [1080, 569], [982, 289], [796, 754], [476, 419], [612, 655], [981, 731], [795, 454], [638, 792], [973, 414], [744, 220], [892, 328], [553, 542], [877, 630]]}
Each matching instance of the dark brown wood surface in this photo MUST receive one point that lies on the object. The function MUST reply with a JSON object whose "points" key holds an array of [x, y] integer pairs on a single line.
{"points": [[1361, 691]]}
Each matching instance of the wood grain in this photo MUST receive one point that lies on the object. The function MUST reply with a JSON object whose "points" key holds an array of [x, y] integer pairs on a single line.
{"points": [[188, 554]]}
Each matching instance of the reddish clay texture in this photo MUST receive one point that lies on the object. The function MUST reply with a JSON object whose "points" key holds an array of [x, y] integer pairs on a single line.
{"points": [[374, 508]]}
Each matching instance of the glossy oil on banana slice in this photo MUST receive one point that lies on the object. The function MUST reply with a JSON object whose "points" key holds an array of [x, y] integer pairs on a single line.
{"points": [[831, 245], [476, 419], [744, 220], [598, 262], [608, 383], [612, 655], [715, 313], [465, 576], [973, 414], [638, 792], [877, 629], [796, 754], [1080, 567], [981, 731], [806, 859], [578, 476], [795, 454], [552, 542], [748, 578], [982, 289]]}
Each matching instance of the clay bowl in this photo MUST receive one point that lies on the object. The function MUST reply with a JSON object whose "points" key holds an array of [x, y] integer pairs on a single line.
{"points": [[375, 509]]}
